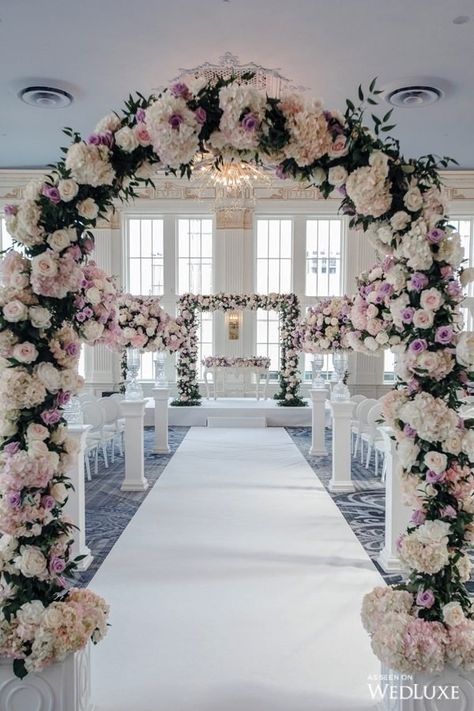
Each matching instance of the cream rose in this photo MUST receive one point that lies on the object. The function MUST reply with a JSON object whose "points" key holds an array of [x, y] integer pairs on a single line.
{"points": [[126, 139], [436, 461], [25, 352], [337, 175], [59, 492], [453, 614], [92, 331], [40, 317], [88, 209], [423, 318], [93, 295], [15, 311], [465, 350], [111, 122], [60, 239], [68, 189], [431, 299], [35, 431], [413, 199], [400, 220], [31, 562], [45, 265], [30, 613], [49, 376]]}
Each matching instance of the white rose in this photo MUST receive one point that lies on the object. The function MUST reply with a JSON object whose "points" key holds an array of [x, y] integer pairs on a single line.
{"points": [[30, 613], [59, 492], [318, 176], [60, 239], [436, 461], [15, 311], [453, 443], [400, 220], [467, 276], [413, 199], [31, 562], [423, 318], [36, 431], [45, 265], [93, 295], [337, 175], [453, 614], [126, 139], [379, 161], [465, 350], [92, 331], [111, 122], [408, 453], [68, 189], [40, 317], [382, 338], [88, 209], [468, 444], [49, 376], [32, 190], [431, 299], [371, 343], [37, 448], [25, 352]]}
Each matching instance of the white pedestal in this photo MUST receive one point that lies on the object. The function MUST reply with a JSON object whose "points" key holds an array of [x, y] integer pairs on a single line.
{"points": [[64, 686], [397, 515], [341, 479], [76, 504], [161, 397], [134, 414], [318, 422], [448, 690]]}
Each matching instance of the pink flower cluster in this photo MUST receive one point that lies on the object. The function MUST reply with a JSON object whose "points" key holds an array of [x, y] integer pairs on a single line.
{"points": [[325, 327], [145, 325], [96, 318]]}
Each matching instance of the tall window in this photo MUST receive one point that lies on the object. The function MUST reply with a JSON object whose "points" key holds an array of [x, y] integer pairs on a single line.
{"points": [[5, 239], [274, 274], [323, 257], [195, 255], [205, 339], [274, 256], [145, 256], [324, 243], [388, 366], [465, 227]]}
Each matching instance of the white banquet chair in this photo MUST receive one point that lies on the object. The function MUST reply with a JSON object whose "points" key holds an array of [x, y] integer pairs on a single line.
{"points": [[362, 410], [113, 422], [372, 434], [94, 415]]}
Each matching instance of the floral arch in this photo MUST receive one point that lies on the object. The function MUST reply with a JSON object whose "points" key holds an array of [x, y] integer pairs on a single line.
{"points": [[397, 200]]}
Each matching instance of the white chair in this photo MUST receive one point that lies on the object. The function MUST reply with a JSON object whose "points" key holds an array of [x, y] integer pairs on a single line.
{"points": [[94, 415], [358, 398], [362, 410], [113, 422], [372, 434], [91, 447]]}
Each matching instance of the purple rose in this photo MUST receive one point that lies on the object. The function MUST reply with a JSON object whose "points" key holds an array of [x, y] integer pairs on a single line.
{"points": [[408, 431], [140, 116], [449, 512], [280, 173], [418, 517], [88, 245], [454, 289], [107, 139], [433, 477], [81, 317], [418, 281], [13, 499], [435, 235], [250, 122], [180, 90], [341, 190], [444, 335], [413, 386], [93, 139], [418, 345], [425, 598], [88, 313], [51, 417], [201, 115], [56, 565], [48, 502], [10, 210], [407, 314], [12, 448], [386, 288], [51, 193], [72, 348], [175, 121], [62, 398]]}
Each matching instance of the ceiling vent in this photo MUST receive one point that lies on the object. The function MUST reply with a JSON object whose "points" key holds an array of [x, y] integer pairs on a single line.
{"points": [[45, 97], [414, 97]]}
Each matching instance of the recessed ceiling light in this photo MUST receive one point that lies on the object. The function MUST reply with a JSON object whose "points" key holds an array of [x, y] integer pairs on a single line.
{"points": [[461, 19], [45, 97], [414, 97]]}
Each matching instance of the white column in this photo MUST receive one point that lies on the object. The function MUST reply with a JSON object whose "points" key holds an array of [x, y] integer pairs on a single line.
{"points": [[341, 479], [397, 515], [318, 422], [75, 507], [161, 397], [134, 414]]}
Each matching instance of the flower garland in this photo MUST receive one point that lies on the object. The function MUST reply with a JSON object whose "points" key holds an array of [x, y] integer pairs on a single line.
{"points": [[227, 362], [286, 304], [397, 200], [96, 314], [325, 327]]}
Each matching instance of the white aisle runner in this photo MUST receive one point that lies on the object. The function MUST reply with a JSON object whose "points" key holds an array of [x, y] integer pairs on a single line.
{"points": [[236, 587]]}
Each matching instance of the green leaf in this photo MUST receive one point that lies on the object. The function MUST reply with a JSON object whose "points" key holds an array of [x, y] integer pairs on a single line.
{"points": [[375, 119], [372, 101], [372, 84], [350, 105], [387, 115], [360, 93], [19, 668]]}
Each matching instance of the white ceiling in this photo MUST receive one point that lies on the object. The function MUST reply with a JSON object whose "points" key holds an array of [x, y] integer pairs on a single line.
{"points": [[104, 49]]}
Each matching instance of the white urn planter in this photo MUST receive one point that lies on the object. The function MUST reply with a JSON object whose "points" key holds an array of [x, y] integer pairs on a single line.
{"points": [[448, 690], [64, 686]]}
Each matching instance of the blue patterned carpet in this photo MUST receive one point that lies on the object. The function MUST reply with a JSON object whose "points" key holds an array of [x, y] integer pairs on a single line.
{"points": [[109, 510]]}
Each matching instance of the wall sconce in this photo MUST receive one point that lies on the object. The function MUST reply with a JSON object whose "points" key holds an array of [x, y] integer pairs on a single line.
{"points": [[233, 325]]}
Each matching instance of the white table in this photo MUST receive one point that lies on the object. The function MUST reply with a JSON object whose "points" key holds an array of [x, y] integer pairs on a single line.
{"points": [[237, 370]]}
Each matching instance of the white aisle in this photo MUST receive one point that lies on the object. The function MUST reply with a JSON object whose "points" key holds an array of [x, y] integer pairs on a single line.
{"points": [[236, 587]]}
